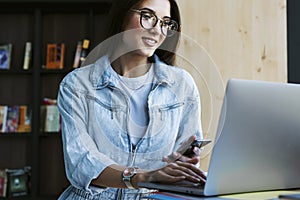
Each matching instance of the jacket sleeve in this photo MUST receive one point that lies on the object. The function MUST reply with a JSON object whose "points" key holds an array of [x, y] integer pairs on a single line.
{"points": [[83, 161], [190, 123]]}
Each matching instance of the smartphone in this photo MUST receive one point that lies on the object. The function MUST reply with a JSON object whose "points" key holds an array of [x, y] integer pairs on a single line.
{"points": [[187, 146], [196, 143]]}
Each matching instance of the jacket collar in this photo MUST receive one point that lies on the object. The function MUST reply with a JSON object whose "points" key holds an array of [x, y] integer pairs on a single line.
{"points": [[100, 76]]}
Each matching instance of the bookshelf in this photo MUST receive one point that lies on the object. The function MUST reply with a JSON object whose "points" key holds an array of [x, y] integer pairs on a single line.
{"points": [[42, 22]]}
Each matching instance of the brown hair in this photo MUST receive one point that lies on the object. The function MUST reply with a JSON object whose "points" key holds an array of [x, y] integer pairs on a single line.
{"points": [[119, 10]]}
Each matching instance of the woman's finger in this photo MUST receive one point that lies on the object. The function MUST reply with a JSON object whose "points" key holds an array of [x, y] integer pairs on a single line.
{"points": [[193, 169]]}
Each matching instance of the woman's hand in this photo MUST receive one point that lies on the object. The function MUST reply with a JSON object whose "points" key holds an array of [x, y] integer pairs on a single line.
{"points": [[174, 172], [180, 168], [192, 157]]}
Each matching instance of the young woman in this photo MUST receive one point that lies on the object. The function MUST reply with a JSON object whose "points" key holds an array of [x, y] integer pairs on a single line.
{"points": [[125, 114]]}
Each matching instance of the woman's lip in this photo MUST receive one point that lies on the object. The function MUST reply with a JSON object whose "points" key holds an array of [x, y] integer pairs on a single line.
{"points": [[149, 41]]}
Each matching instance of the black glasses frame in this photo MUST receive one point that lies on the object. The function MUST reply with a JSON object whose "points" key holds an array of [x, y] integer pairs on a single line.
{"points": [[172, 24]]}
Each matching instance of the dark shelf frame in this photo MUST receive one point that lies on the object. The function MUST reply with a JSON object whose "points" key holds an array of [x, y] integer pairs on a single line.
{"points": [[93, 10], [293, 32]]}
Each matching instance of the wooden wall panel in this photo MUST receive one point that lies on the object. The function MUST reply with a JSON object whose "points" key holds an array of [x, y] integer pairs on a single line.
{"points": [[225, 39]]}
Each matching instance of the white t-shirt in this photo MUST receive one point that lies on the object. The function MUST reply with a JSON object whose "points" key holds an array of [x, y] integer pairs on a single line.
{"points": [[137, 89]]}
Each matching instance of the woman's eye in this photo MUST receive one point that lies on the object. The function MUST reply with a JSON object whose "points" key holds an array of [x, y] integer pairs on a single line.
{"points": [[148, 16], [165, 23]]}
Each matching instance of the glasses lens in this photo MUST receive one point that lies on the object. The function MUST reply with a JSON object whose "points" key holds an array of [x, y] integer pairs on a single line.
{"points": [[169, 27], [148, 20]]}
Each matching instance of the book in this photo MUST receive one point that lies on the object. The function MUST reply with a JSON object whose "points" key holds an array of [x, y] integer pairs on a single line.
{"points": [[49, 101], [27, 56], [5, 56], [49, 118], [3, 183], [3, 117], [44, 111], [84, 51], [52, 121], [24, 119], [18, 181], [12, 119], [77, 54], [55, 56]]}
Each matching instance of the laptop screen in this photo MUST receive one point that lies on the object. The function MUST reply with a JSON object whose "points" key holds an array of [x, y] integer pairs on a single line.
{"points": [[257, 145]]}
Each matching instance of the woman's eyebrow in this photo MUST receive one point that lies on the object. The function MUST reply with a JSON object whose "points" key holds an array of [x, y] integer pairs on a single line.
{"points": [[150, 10]]}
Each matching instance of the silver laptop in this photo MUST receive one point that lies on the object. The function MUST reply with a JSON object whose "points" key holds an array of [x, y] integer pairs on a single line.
{"points": [[257, 147]]}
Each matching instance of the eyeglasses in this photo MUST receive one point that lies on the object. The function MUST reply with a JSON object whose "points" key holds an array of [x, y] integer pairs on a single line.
{"points": [[148, 20]]}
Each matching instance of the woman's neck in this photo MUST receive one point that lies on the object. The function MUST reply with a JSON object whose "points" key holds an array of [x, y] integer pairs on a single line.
{"points": [[131, 66]]}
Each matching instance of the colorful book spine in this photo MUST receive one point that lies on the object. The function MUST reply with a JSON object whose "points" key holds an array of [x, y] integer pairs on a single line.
{"points": [[55, 56], [52, 121], [5, 56], [3, 183], [27, 55], [12, 119], [84, 51], [24, 119], [3, 117], [77, 54]]}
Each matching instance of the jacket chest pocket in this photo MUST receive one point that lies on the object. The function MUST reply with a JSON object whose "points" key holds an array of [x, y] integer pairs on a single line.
{"points": [[166, 118], [105, 114]]}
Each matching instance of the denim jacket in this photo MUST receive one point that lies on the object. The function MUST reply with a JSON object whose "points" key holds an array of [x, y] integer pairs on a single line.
{"points": [[94, 125]]}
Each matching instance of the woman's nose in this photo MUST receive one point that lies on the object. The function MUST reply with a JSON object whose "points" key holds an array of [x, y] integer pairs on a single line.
{"points": [[157, 28]]}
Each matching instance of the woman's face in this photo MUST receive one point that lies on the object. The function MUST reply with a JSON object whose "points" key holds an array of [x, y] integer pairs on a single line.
{"points": [[140, 41]]}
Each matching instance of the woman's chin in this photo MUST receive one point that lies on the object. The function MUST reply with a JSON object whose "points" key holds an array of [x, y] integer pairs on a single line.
{"points": [[146, 52]]}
